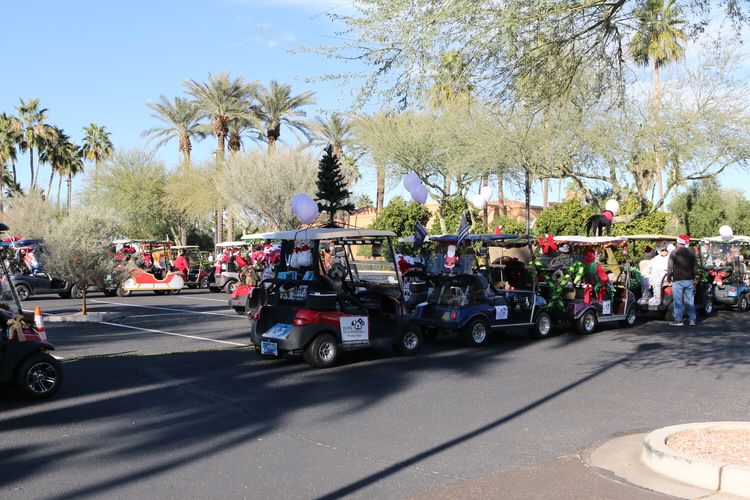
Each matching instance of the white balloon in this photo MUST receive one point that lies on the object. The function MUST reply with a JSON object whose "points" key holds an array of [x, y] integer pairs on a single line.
{"points": [[410, 180], [419, 193], [304, 208], [726, 232], [613, 206], [479, 201], [486, 193]]}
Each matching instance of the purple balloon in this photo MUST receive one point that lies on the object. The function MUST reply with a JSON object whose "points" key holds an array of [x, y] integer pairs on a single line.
{"points": [[410, 180], [419, 193], [304, 208]]}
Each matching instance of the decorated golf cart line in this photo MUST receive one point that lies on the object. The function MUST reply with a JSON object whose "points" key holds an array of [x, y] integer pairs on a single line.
{"points": [[580, 288], [25, 358], [319, 308], [724, 261], [481, 286], [262, 255]]}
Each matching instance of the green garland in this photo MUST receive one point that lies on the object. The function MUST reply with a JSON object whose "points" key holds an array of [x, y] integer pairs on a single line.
{"points": [[557, 281]]}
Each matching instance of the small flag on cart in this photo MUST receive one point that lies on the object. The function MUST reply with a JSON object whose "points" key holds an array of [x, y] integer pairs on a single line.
{"points": [[463, 230], [420, 233]]}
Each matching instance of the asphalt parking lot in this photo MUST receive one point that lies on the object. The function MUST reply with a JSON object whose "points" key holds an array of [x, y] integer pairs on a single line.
{"points": [[168, 401]]}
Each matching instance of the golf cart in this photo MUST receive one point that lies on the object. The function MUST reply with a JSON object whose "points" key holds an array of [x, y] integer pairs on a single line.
{"points": [[476, 300], [657, 297], [25, 358], [225, 273], [724, 262], [582, 290], [153, 271], [262, 255], [197, 275], [319, 306]]}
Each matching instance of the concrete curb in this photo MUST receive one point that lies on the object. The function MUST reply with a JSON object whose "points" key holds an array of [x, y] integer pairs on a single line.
{"points": [[94, 317], [695, 471]]}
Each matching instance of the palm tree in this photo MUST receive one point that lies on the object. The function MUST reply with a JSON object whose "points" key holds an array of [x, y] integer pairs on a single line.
{"points": [[71, 166], [276, 107], [451, 79], [56, 153], [34, 132], [336, 130], [239, 128], [220, 100], [96, 147], [9, 140], [657, 41], [182, 117]]}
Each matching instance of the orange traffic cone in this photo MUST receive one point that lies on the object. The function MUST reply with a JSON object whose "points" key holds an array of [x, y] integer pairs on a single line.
{"points": [[39, 322]]}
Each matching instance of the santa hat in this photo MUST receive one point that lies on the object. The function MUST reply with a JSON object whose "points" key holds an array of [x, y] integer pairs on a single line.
{"points": [[683, 239]]}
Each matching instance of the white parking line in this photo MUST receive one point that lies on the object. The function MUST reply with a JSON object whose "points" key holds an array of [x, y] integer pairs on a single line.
{"points": [[173, 334], [186, 311]]}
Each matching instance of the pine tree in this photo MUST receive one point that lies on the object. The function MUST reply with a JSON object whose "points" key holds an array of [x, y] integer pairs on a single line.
{"points": [[332, 193]]}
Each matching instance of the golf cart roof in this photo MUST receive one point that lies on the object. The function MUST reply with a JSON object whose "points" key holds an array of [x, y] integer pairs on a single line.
{"points": [[256, 236], [741, 240], [185, 247], [322, 233], [650, 237], [231, 244], [487, 239], [591, 240]]}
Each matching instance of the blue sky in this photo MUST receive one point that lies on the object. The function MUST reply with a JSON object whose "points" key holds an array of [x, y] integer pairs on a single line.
{"points": [[101, 61]]}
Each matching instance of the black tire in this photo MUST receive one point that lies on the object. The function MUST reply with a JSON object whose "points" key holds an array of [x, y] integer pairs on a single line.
{"points": [[630, 316], [322, 352], [39, 376], [708, 307], [410, 341], [231, 286], [542, 326], [742, 304], [586, 324], [475, 333], [204, 282], [121, 292], [24, 292], [76, 292]]}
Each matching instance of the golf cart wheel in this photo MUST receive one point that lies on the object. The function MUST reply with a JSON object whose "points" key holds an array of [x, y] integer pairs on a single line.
{"points": [[39, 376], [410, 342], [630, 317], [204, 282], [24, 292], [542, 326], [231, 286], [707, 308], [76, 292], [475, 333], [322, 352], [742, 305], [121, 292], [586, 324]]}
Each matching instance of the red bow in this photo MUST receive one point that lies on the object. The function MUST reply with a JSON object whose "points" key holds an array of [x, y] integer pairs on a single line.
{"points": [[548, 243]]}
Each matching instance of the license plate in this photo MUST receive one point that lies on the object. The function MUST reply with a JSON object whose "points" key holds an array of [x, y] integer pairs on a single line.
{"points": [[270, 348]]}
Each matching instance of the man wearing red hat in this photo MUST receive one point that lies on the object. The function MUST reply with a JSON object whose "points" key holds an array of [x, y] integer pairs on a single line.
{"points": [[681, 270]]}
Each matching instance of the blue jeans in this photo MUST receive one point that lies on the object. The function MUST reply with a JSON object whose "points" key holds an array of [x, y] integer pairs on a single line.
{"points": [[683, 291]]}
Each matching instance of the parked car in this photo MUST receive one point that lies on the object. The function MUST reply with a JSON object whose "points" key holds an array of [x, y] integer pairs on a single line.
{"points": [[475, 299], [319, 308], [28, 285]]}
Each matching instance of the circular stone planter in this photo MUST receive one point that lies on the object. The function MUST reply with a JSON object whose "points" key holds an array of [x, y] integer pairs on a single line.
{"points": [[696, 471]]}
